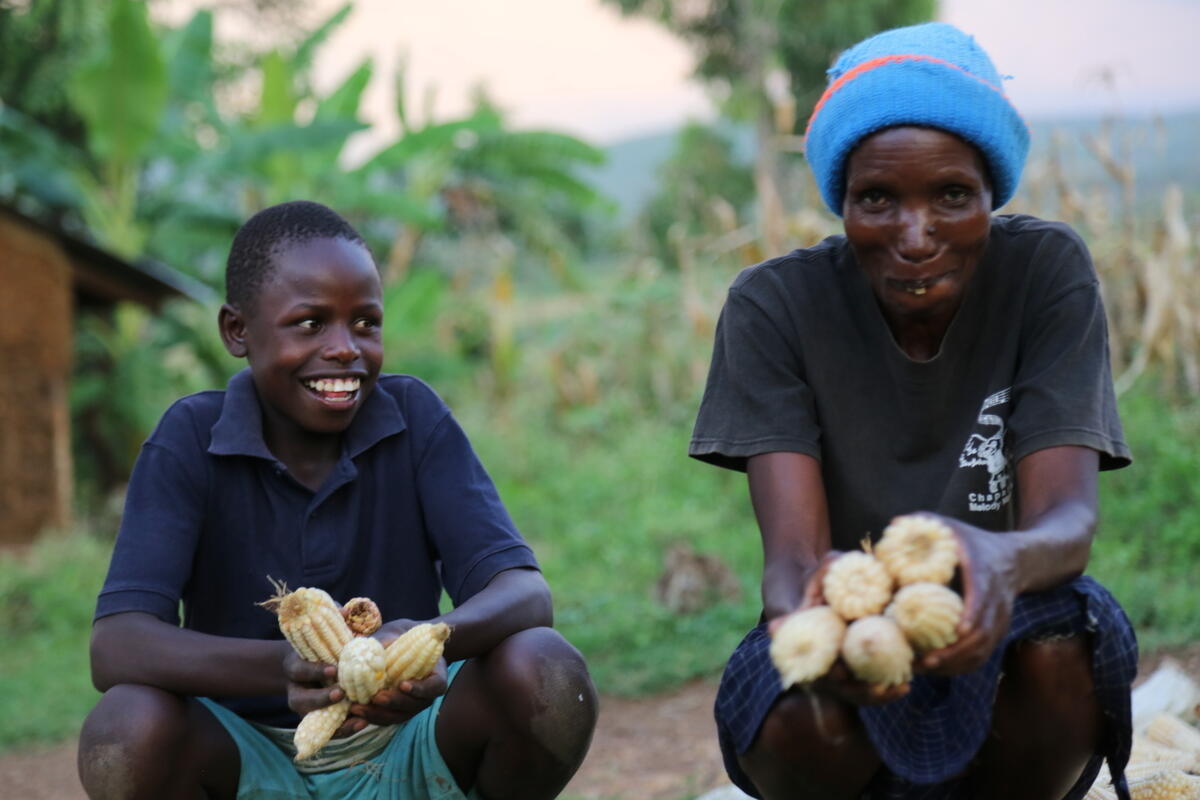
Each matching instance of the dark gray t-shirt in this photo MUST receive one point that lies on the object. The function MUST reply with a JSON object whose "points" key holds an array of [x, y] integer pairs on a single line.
{"points": [[804, 362]]}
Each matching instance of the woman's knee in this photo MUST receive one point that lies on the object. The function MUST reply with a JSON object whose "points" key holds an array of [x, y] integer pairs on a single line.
{"points": [[810, 745]]}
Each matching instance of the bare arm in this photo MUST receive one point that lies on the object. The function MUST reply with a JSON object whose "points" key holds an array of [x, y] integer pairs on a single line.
{"points": [[1051, 545], [512, 601], [139, 648], [788, 495]]}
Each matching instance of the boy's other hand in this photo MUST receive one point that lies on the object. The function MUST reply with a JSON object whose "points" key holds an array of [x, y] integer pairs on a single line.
{"points": [[394, 706]]}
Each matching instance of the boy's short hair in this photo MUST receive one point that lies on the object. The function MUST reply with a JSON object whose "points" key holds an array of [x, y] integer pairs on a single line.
{"points": [[252, 255]]}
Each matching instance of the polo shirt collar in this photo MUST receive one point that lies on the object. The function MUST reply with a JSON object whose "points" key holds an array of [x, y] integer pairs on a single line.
{"points": [[238, 431]]}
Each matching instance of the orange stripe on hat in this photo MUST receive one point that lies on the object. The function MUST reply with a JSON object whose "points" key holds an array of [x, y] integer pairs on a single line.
{"points": [[881, 61]]}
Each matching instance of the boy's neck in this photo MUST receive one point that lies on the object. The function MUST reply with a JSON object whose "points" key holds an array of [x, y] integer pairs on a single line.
{"points": [[308, 456]]}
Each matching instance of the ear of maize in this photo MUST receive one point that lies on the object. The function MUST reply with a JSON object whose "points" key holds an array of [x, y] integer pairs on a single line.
{"points": [[877, 652], [362, 667], [928, 614], [918, 548], [316, 728], [1170, 731], [415, 653], [857, 585], [806, 644], [362, 616], [1168, 784], [312, 622]]}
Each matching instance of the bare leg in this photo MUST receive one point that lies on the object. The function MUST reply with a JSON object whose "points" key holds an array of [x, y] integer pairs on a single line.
{"points": [[1046, 724], [518, 721], [810, 747], [141, 742]]}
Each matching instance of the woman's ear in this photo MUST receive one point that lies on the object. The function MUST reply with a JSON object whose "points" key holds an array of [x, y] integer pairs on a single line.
{"points": [[232, 325]]}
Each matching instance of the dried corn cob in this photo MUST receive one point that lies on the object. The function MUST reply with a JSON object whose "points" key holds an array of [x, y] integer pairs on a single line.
{"points": [[877, 652], [317, 728], [857, 585], [362, 616], [1169, 784], [928, 614], [917, 548], [1170, 731], [806, 644], [1148, 752], [311, 621], [1142, 770], [362, 668], [415, 653]]}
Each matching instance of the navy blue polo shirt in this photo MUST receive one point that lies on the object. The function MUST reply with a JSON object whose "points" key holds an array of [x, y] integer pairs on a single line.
{"points": [[210, 513]]}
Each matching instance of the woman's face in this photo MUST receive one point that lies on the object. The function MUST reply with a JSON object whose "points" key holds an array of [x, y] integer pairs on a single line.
{"points": [[917, 214]]}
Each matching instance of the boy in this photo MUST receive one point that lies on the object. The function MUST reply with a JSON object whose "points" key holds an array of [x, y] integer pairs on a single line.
{"points": [[315, 469]]}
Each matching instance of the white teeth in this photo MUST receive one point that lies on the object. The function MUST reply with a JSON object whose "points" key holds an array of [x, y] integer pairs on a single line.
{"points": [[334, 385]]}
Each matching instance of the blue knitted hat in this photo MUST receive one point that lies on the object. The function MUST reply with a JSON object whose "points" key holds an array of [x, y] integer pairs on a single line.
{"points": [[932, 75]]}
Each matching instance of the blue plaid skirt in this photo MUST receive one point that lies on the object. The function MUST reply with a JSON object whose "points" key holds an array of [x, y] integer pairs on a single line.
{"points": [[931, 734]]}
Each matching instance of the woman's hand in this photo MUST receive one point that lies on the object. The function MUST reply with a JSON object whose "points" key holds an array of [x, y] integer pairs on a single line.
{"points": [[988, 581]]}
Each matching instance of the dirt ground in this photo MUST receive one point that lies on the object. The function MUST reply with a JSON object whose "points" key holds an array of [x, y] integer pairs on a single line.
{"points": [[656, 748]]}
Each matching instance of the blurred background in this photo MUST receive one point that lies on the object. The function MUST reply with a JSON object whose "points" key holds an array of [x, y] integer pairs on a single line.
{"points": [[558, 193]]}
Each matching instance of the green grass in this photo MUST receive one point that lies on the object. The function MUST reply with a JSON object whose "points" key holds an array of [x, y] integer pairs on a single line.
{"points": [[601, 500], [46, 602]]}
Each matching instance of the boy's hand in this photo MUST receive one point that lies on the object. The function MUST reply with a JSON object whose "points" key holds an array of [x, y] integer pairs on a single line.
{"points": [[310, 684], [394, 706]]}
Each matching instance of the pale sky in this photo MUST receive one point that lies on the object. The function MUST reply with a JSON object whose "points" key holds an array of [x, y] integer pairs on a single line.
{"points": [[579, 67]]}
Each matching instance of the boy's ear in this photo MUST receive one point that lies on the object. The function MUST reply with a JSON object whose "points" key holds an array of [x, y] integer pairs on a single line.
{"points": [[232, 325]]}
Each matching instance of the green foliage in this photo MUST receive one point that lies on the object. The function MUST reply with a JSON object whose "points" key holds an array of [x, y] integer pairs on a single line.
{"points": [[702, 191], [1146, 550], [46, 603]]}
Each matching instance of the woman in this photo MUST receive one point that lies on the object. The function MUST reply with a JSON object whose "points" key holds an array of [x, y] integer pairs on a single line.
{"points": [[936, 358]]}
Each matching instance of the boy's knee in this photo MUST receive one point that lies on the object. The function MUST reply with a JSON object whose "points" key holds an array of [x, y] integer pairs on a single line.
{"points": [[126, 738], [543, 684]]}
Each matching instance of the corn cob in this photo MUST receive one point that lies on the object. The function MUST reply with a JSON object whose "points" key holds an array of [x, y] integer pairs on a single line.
{"points": [[362, 667], [877, 652], [917, 548], [1148, 752], [1101, 790], [806, 644], [928, 614], [362, 616], [311, 621], [1168, 784], [317, 728], [1170, 731], [415, 653], [1142, 770], [857, 585]]}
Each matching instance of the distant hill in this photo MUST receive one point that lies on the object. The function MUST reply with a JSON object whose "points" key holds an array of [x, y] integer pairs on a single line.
{"points": [[1162, 150]]}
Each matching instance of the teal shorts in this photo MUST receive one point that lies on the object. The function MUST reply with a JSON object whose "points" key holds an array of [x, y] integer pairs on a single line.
{"points": [[410, 767]]}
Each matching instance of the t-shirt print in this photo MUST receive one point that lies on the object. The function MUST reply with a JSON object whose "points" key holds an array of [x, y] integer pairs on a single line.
{"points": [[986, 447]]}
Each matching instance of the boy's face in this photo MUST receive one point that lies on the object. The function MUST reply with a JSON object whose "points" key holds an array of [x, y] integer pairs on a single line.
{"points": [[313, 336]]}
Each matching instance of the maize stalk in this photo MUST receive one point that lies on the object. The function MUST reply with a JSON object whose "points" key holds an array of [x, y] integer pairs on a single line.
{"points": [[857, 585], [317, 728], [311, 621], [806, 644], [415, 653], [362, 668], [917, 548], [362, 616], [876, 651]]}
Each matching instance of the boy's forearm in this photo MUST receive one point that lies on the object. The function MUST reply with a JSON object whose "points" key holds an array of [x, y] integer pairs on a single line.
{"points": [[141, 649], [513, 601]]}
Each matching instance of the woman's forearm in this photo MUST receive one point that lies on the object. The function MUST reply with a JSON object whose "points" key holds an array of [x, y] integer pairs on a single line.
{"points": [[141, 649], [1058, 494]]}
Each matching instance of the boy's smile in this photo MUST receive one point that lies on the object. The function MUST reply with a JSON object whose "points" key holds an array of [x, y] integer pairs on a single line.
{"points": [[313, 337]]}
